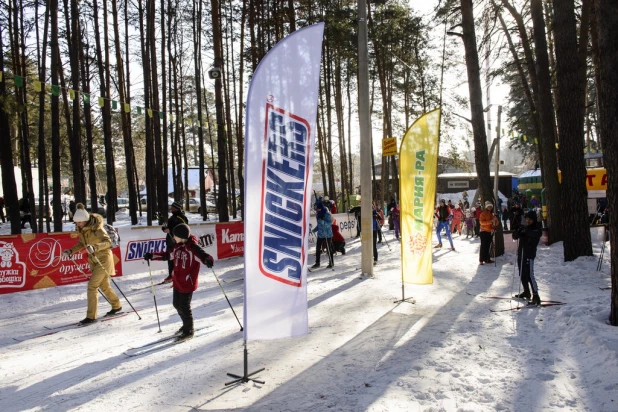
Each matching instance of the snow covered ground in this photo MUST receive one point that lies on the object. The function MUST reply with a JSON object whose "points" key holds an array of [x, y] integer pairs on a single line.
{"points": [[363, 352]]}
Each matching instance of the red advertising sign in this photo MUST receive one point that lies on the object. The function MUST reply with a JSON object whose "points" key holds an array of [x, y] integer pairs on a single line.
{"points": [[35, 261], [230, 239]]}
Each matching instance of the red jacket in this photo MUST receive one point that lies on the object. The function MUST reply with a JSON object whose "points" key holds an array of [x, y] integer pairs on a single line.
{"points": [[337, 237], [187, 257]]}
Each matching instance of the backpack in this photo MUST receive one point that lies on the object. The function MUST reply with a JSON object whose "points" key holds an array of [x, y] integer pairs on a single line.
{"points": [[113, 234]]}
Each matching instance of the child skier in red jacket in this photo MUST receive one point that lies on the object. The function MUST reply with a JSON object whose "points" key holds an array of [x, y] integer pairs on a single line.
{"points": [[187, 255]]}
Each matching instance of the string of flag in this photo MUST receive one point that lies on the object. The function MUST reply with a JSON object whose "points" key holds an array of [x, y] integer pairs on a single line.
{"points": [[519, 136], [54, 90]]}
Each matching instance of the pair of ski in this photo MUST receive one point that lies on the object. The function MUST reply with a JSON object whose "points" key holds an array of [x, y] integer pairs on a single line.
{"points": [[61, 328], [163, 343], [544, 303]]}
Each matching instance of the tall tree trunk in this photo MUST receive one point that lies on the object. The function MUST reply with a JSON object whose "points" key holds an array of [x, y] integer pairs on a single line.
{"points": [[9, 186], [481, 157], [606, 12], [125, 118], [221, 149], [55, 118], [197, 35], [24, 129], [228, 115], [75, 140], [239, 124], [149, 145], [92, 178], [545, 110], [43, 209], [570, 110]]}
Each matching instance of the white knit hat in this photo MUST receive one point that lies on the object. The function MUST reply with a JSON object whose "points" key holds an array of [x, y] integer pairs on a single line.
{"points": [[488, 204], [81, 214]]}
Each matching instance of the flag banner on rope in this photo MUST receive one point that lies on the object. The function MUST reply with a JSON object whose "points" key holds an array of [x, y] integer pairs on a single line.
{"points": [[280, 134], [101, 102], [71, 94], [37, 86], [19, 81], [127, 108], [86, 98], [418, 159], [55, 90]]}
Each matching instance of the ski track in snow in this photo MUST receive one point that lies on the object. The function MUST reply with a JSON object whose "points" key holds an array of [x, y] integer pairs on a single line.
{"points": [[447, 352]]}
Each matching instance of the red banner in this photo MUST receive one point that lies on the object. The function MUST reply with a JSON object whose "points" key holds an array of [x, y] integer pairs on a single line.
{"points": [[35, 261], [230, 239]]}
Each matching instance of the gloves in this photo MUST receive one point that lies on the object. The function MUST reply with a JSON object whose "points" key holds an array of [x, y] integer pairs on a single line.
{"points": [[147, 256], [164, 227], [67, 253], [209, 261], [90, 249]]}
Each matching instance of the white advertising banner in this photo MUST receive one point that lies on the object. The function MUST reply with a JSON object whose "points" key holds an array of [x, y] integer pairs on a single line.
{"points": [[279, 145]]}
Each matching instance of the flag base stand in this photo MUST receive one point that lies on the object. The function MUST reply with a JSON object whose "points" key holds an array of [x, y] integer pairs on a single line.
{"points": [[403, 297], [246, 375]]}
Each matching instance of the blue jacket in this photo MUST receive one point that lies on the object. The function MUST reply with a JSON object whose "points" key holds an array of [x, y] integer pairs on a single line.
{"points": [[325, 221]]}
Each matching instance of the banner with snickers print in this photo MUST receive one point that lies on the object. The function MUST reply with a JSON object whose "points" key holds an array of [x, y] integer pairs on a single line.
{"points": [[279, 146]]}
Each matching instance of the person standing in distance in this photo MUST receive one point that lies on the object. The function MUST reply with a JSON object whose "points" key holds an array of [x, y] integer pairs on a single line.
{"points": [[187, 255], [488, 223], [177, 218], [444, 216], [325, 234], [94, 238]]}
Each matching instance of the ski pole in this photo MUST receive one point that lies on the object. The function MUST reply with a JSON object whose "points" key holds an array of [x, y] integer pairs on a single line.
{"points": [[385, 239], [115, 284], [88, 277], [228, 301], [154, 295]]}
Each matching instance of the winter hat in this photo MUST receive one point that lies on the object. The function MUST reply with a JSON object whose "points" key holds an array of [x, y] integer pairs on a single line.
{"points": [[325, 198], [81, 214], [177, 205], [531, 215], [182, 231], [488, 204], [442, 201]]}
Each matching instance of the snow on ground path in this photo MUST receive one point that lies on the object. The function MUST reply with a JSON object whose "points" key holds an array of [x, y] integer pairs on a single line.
{"points": [[363, 352]]}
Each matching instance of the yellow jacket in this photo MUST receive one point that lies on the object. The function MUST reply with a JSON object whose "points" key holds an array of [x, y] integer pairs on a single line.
{"points": [[95, 235]]}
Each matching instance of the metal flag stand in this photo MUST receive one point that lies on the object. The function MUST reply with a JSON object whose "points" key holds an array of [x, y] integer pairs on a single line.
{"points": [[246, 377], [403, 294]]}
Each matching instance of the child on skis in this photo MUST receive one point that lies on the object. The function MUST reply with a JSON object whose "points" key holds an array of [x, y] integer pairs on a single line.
{"points": [[187, 255], [469, 224]]}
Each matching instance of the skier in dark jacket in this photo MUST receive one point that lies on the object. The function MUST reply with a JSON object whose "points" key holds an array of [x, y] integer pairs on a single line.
{"points": [[177, 218], [528, 237], [515, 215], [187, 255], [444, 216]]}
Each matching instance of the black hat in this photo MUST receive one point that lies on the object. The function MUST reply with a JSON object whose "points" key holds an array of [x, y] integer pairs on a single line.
{"points": [[177, 205], [531, 215], [182, 231]]}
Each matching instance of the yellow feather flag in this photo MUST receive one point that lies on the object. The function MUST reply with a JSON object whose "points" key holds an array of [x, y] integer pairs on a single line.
{"points": [[418, 159], [37, 86], [71, 94], [101, 102], [127, 108], [149, 112]]}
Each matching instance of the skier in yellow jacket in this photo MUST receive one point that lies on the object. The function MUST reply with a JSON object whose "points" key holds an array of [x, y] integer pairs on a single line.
{"points": [[94, 238]]}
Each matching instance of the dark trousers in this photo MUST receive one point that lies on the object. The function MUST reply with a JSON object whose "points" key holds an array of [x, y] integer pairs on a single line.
{"points": [[527, 275], [506, 226], [329, 249], [182, 303], [477, 227], [358, 226], [2, 214], [485, 246], [339, 247], [375, 247], [379, 233], [26, 219]]}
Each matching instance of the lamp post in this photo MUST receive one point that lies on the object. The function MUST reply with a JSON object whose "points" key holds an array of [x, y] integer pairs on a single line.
{"points": [[497, 168]]}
